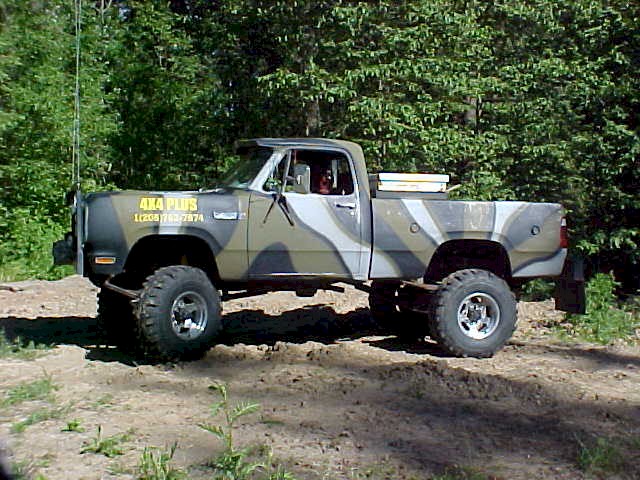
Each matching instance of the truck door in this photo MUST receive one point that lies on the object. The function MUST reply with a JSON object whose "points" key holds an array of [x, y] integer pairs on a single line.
{"points": [[317, 233]]}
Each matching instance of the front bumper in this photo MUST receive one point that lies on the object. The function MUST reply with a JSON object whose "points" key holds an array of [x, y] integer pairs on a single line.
{"points": [[569, 293]]}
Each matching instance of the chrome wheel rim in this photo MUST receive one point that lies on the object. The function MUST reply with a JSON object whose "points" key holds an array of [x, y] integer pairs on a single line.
{"points": [[478, 315], [189, 315]]}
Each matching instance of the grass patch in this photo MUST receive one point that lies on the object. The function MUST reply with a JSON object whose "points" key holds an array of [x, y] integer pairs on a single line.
{"points": [[108, 446], [605, 320], [602, 456], [37, 417], [28, 391], [18, 349], [155, 464]]}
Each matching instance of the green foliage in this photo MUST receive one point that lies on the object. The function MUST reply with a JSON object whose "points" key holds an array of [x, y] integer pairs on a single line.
{"points": [[36, 97], [603, 456], [537, 290], [604, 320], [234, 463], [41, 389], [108, 446], [516, 100], [155, 464], [231, 463], [168, 100], [18, 349], [532, 100], [73, 426], [230, 413], [26, 250]]}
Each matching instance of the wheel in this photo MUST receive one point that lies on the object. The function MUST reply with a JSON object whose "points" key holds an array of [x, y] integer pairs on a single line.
{"points": [[474, 313], [178, 314], [385, 304], [116, 320]]}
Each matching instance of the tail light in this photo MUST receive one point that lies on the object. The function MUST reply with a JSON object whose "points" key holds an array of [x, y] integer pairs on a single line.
{"points": [[564, 236]]}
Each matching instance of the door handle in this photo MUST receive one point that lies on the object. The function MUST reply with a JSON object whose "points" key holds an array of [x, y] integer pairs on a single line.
{"points": [[349, 205]]}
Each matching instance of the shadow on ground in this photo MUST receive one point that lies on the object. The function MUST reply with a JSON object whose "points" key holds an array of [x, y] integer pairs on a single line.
{"points": [[53, 331], [318, 323]]}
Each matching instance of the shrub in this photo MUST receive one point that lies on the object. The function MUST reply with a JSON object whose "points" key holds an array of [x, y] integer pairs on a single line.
{"points": [[605, 320]]}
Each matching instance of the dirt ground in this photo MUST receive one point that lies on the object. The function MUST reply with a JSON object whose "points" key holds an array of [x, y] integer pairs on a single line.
{"points": [[337, 399]]}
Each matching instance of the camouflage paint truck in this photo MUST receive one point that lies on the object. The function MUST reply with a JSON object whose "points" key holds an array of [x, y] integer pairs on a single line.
{"points": [[447, 269]]}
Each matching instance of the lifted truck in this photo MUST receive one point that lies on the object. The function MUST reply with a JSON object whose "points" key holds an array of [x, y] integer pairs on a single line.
{"points": [[300, 215]]}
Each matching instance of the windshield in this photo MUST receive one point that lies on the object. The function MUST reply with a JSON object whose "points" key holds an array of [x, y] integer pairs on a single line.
{"points": [[244, 170]]}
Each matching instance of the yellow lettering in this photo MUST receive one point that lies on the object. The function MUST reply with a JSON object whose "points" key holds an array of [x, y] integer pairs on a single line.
{"points": [[170, 203], [151, 203]]}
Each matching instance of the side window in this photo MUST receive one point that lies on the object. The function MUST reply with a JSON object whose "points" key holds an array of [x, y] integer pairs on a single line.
{"points": [[330, 171]]}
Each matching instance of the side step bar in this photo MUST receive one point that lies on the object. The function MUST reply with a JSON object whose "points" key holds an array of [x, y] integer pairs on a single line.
{"points": [[133, 294]]}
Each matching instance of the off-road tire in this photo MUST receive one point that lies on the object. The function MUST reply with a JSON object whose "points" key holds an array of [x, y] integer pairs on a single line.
{"points": [[155, 313], [116, 321], [386, 313], [456, 289]]}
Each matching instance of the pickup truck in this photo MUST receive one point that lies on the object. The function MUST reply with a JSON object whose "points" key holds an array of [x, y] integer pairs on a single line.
{"points": [[302, 215]]}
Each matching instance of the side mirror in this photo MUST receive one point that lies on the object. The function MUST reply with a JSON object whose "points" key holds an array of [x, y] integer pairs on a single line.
{"points": [[301, 178]]}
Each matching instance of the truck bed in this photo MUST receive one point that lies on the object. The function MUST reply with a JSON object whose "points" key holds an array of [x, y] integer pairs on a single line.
{"points": [[407, 231]]}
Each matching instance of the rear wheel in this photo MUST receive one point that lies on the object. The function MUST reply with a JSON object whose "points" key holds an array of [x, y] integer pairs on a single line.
{"points": [[474, 313], [179, 313]]}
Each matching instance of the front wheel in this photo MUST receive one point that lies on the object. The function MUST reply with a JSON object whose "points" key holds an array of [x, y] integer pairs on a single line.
{"points": [[474, 313], [179, 313]]}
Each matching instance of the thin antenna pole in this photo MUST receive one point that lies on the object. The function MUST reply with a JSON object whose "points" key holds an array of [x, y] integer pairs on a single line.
{"points": [[76, 109]]}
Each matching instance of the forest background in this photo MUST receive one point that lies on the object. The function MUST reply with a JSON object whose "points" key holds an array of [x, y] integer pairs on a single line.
{"points": [[517, 100]]}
